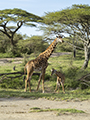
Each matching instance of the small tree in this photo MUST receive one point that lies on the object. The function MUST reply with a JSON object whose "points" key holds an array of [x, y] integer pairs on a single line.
{"points": [[18, 16]]}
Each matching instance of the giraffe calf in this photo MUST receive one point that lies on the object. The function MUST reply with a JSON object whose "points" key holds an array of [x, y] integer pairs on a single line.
{"points": [[60, 79]]}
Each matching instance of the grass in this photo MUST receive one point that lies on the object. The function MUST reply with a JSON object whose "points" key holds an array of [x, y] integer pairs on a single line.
{"points": [[76, 95], [59, 111], [69, 66]]}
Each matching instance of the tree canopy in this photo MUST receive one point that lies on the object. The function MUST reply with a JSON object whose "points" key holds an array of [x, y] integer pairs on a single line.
{"points": [[77, 16], [18, 16], [75, 21]]}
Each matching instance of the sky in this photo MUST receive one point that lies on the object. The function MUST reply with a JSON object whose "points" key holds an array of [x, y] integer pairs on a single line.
{"points": [[38, 7]]}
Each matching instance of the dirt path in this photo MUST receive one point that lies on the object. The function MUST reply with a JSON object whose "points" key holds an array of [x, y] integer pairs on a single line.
{"points": [[18, 109], [18, 60]]}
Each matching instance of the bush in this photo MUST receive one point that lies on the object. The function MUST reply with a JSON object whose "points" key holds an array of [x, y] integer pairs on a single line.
{"points": [[25, 59], [13, 83]]}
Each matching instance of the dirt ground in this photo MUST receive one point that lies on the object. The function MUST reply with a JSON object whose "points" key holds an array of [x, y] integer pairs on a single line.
{"points": [[18, 60], [18, 109]]}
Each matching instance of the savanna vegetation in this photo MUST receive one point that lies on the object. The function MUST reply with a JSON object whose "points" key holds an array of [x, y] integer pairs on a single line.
{"points": [[77, 44], [70, 67]]}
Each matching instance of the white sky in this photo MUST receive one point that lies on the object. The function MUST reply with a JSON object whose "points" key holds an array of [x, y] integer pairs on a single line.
{"points": [[38, 7]]}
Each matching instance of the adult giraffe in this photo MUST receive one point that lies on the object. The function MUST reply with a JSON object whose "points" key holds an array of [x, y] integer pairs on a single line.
{"points": [[40, 64]]}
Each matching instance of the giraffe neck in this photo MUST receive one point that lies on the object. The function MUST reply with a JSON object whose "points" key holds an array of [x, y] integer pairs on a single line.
{"points": [[55, 72], [47, 53]]}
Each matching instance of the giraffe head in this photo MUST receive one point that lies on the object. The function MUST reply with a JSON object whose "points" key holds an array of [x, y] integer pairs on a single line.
{"points": [[52, 71], [59, 38]]}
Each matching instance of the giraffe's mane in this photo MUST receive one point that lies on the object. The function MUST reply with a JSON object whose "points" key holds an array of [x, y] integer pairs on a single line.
{"points": [[51, 44]]}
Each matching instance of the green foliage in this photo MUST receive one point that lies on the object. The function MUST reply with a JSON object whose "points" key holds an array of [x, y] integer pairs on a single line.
{"points": [[34, 44], [13, 52], [25, 59], [20, 17], [5, 47], [74, 20], [64, 48], [70, 15], [35, 109], [13, 84], [17, 15], [4, 43]]}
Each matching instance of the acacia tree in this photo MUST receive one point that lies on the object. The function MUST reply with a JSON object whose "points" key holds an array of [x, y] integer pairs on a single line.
{"points": [[74, 21], [18, 16]]}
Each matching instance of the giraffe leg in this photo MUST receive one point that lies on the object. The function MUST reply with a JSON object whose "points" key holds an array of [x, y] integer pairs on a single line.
{"points": [[59, 79], [29, 74], [39, 81], [25, 85], [43, 76], [62, 87], [56, 85], [26, 82], [29, 84]]}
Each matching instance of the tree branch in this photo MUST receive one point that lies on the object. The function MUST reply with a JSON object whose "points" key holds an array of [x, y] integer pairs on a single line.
{"points": [[85, 84], [83, 77], [5, 75], [6, 31], [21, 23], [74, 45], [1, 74]]}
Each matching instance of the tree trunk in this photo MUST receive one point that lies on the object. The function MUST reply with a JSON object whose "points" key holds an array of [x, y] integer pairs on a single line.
{"points": [[87, 55], [12, 43], [74, 52]]}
